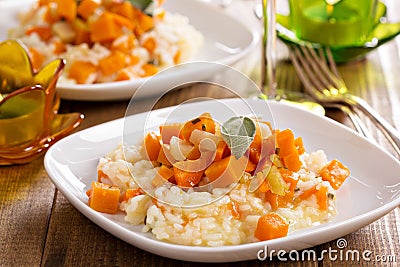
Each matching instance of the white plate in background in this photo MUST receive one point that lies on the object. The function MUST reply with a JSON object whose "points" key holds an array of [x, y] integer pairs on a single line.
{"points": [[226, 40]]}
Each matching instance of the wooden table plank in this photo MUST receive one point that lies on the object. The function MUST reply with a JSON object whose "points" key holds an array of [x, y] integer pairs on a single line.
{"points": [[26, 198]]}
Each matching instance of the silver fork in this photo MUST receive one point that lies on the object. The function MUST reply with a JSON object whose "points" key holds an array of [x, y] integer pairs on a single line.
{"points": [[323, 82]]}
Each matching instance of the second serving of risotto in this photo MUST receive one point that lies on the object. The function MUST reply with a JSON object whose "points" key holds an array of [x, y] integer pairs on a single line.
{"points": [[199, 183], [106, 40]]}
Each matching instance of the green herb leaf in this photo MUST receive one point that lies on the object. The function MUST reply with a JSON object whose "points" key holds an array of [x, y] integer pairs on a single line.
{"points": [[238, 133], [144, 5]]}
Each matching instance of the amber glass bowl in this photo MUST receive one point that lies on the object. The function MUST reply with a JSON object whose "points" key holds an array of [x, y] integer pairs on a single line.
{"points": [[29, 119]]}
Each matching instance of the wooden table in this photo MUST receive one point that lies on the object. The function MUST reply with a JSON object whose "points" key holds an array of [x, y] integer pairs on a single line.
{"points": [[38, 226]]}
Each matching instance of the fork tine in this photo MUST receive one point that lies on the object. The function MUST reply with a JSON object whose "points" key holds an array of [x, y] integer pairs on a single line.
{"points": [[327, 68], [304, 71], [315, 62]]}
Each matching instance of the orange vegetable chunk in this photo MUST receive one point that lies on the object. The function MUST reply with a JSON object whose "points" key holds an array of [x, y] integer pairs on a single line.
{"points": [[165, 172], [66, 9], [124, 9], [130, 193], [204, 123], [112, 63], [152, 146], [298, 142], [285, 142], [104, 197], [82, 71], [104, 28], [234, 208], [149, 69], [226, 171], [168, 130], [292, 161], [36, 58], [44, 32], [271, 226], [322, 198], [187, 179], [276, 201], [287, 150], [86, 8], [335, 173]]}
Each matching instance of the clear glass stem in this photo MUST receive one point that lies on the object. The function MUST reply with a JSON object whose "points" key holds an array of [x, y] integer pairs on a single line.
{"points": [[268, 63]]}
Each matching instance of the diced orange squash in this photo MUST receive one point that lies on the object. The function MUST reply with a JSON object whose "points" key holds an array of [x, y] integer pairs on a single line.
{"points": [[204, 123], [59, 47], [150, 44], [104, 28], [194, 153], [255, 146], [177, 57], [264, 187], [81, 29], [149, 70], [86, 8], [82, 71], [43, 2], [264, 153], [221, 151], [187, 179], [287, 150], [308, 193], [132, 60], [287, 175], [322, 198], [165, 172], [321, 195], [234, 208], [298, 142], [146, 22], [122, 21], [130, 193], [271, 226], [227, 171], [36, 58], [285, 142], [335, 173], [50, 16], [66, 9], [112, 63], [276, 201], [168, 130], [165, 157], [104, 197], [44, 32], [152, 146], [123, 75], [292, 161], [217, 168], [250, 167], [101, 175], [124, 44], [124, 9]]}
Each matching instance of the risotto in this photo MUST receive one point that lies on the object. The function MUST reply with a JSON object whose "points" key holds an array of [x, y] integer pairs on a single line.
{"points": [[106, 41], [187, 184]]}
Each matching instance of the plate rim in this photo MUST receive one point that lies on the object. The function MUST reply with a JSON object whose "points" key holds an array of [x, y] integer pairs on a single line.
{"points": [[335, 228], [82, 92]]}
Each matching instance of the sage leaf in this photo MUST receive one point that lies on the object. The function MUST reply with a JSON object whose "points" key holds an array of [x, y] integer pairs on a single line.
{"points": [[238, 133], [144, 5]]}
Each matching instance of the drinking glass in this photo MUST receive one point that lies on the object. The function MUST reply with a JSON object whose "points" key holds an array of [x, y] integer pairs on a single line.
{"points": [[268, 64]]}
